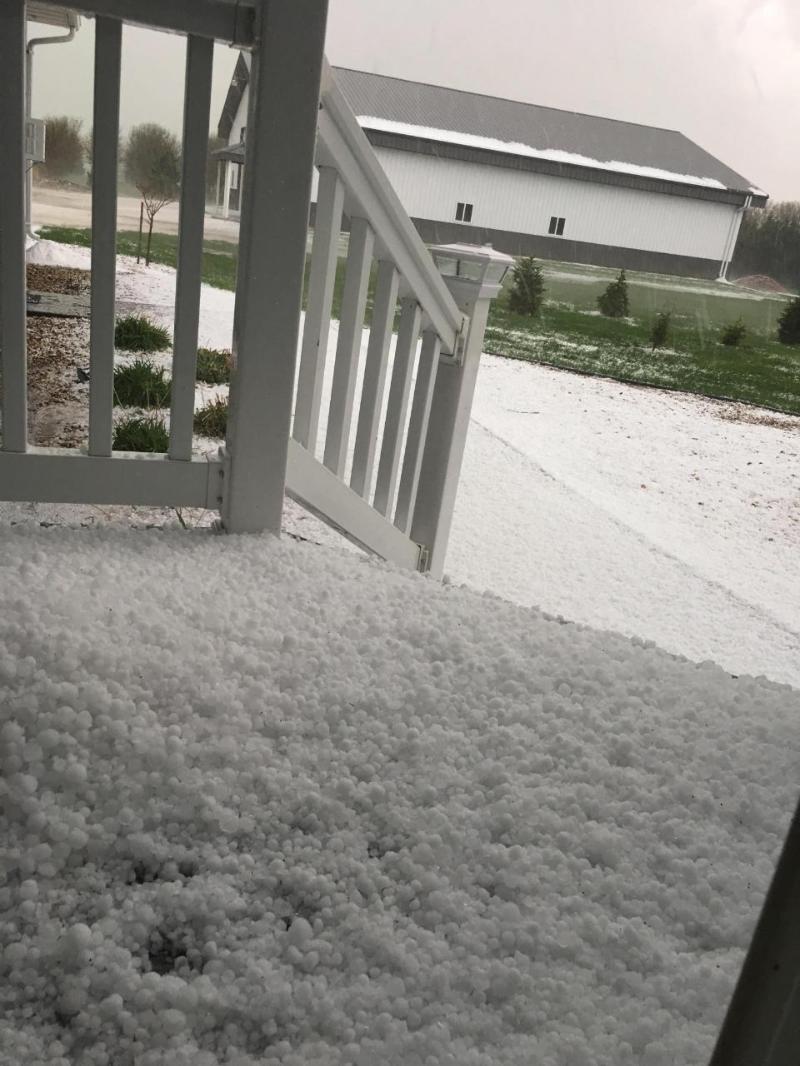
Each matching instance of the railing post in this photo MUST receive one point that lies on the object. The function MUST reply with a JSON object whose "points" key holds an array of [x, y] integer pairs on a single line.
{"points": [[281, 134], [13, 359], [107, 66], [474, 276]]}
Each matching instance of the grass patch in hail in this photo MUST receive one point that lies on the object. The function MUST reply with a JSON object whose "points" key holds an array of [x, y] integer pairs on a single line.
{"points": [[213, 366], [141, 433], [212, 420], [140, 384], [136, 333]]}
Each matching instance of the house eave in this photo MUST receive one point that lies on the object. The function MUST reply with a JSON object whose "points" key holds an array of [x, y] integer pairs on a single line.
{"points": [[233, 153]]}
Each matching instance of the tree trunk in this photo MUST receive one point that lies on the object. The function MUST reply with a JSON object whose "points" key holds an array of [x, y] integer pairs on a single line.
{"points": [[141, 226], [149, 241]]}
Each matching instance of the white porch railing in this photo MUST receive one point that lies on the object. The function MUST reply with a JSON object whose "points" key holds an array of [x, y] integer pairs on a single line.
{"points": [[390, 460], [384, 465]]}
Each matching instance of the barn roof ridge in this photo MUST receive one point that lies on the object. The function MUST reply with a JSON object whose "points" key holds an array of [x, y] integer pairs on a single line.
{"points": [[512, 100]]}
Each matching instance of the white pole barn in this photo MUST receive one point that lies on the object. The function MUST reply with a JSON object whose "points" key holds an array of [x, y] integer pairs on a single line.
{"points": [[538, 181]]}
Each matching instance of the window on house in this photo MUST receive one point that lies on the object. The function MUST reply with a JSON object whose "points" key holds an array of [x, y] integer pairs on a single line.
{"points": [[556, 226], [463, 212], [242, 134]]}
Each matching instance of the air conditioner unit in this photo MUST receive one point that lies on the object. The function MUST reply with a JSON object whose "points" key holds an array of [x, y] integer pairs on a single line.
{"points": [[34, 140]]}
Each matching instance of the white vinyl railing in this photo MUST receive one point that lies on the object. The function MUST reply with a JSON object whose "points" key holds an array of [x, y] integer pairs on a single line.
{"points": [[95, 473], [376, 439], [292, 36], [372, 444]]}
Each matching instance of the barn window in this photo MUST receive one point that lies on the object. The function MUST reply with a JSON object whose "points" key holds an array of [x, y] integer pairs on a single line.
{"points": [[556, 225], [463, 212]]}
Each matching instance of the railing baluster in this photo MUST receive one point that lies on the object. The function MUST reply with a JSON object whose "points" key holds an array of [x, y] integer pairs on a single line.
{"points": [[380, 337], [392, 446], [107, 50], [342, 143], [327, 228], [13, 357], [196, 109], [417, 429], [351, 325]]}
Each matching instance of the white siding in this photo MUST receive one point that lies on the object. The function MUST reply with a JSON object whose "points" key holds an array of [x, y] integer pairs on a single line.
{"points": [[524, 203]]}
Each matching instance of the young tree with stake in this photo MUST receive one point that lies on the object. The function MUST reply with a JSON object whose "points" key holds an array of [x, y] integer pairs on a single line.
{"points": [[153, 163]]}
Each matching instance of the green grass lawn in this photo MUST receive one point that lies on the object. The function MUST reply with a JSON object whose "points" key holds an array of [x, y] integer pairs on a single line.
{"points": [[219, 257], [759, 371], [571, 335]]}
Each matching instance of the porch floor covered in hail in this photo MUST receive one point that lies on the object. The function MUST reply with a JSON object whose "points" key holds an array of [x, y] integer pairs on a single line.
{"points": [[272, 802]]}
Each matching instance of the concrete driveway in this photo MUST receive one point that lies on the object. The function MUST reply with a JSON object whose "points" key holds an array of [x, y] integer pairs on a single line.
{"points": [[73, 207]]}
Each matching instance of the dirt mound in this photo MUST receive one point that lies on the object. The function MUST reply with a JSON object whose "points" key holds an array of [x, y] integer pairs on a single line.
{"points": [[761, 282]]}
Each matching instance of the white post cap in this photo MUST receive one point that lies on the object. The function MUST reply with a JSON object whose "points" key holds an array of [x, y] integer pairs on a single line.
{"points": [[474, 265]]}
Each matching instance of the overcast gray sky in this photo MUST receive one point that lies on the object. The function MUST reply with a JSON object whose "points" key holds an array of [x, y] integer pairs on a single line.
{"points": [[724, 72]]}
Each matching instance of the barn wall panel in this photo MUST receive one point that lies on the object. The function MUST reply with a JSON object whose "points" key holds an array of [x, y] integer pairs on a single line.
{"points": [[514, 201]]}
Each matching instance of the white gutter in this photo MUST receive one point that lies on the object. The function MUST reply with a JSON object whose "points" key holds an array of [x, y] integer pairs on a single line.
{"points": [[730, 243], [73, 21]]}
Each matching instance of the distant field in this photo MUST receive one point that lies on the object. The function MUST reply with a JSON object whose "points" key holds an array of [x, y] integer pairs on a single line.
{"points": [[571, 334], [705, 304]]}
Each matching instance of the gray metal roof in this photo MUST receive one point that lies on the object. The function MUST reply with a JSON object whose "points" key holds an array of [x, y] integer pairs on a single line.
{"points": [[603, 139], [239, 80]]}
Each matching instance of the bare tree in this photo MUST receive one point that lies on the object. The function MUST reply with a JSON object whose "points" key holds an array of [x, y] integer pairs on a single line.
{"points": [[152, 163], [63, 146]]}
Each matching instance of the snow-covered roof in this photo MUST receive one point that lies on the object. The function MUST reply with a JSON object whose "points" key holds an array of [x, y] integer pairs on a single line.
{"points": [[555, 155], [575, 141]]}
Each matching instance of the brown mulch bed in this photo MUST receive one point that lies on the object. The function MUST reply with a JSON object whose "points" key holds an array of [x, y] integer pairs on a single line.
{"points": [[57, 279], [58, 407]]}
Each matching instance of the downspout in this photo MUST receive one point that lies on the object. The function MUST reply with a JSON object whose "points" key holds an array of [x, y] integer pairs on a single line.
{"points": [[59, 39], [730, 243]]}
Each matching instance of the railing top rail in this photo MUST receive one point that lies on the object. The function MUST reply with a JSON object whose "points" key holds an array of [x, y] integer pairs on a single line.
{"points": [[229, 21], [344, 145]]}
